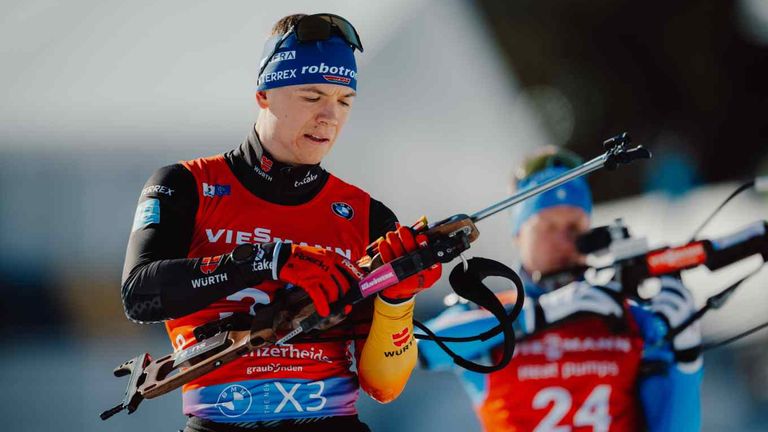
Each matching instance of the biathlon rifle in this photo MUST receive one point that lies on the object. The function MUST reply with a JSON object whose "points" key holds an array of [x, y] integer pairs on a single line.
{"points": [[221, 342]]}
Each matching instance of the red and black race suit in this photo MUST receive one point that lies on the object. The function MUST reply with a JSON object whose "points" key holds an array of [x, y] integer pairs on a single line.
{"points": [[190, 216]]}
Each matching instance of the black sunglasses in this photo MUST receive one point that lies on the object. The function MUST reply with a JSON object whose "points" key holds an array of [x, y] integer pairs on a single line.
{"points": [[318, 27]]}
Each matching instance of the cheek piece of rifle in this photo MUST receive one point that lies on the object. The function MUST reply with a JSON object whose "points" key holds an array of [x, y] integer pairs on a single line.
{"points": [[291, 313]]}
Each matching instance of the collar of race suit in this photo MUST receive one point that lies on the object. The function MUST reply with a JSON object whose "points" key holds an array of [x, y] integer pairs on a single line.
{"points": [[272, 180]]}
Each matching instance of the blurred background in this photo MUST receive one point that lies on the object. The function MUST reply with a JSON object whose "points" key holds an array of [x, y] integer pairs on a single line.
{"points": [[452, 94]]}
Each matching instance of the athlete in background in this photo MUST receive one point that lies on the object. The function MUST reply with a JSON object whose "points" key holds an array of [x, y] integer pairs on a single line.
{"points": [[220, 235], [590, 359]]}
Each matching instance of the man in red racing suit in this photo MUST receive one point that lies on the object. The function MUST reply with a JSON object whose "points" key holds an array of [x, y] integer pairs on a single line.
{"points": [[220, 235]]}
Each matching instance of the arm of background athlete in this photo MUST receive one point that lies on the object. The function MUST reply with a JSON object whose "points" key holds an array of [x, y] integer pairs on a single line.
{"points": [[464, 320], [671, 393], [158, 277]]}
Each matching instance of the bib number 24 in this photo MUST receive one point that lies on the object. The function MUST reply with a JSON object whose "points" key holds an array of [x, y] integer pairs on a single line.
{"points": [[594, 412]]}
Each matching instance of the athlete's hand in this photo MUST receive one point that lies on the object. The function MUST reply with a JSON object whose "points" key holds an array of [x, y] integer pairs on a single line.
{"points": [[675, 305], [576, 298], [325, 275], [396, 244]]}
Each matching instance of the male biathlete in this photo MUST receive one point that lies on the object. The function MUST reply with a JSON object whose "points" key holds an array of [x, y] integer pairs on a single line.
{"points": [[590, 360], [221, 235]]}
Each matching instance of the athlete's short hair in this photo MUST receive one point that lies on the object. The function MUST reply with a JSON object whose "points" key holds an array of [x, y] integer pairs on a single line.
{"points": [[285, 23], [546, 157]]}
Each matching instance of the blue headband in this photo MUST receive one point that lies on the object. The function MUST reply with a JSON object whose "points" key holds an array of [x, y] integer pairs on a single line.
{"points": [[574, 193], [330, 61]]}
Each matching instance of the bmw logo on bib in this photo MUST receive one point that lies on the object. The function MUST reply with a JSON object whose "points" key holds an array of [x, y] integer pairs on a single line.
{"points": [[234, 401], [343, 210]]}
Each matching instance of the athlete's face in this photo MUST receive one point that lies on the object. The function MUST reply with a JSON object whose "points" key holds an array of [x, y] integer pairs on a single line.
{"points": [[547, 240], [299, 124]]}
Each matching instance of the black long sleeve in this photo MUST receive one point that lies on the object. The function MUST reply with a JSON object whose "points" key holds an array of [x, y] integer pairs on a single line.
{"points": [[159, 282], [382, 220]]}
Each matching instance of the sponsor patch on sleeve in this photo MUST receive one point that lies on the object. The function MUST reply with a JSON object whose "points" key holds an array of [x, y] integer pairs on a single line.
{"points": [[147, 213]]}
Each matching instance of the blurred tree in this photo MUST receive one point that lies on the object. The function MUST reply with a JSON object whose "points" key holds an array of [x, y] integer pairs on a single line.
{"points": [[655, 69]]}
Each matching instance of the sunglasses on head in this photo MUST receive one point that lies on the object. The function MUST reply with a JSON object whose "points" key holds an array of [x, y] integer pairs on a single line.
{"points": [[318, 27]]}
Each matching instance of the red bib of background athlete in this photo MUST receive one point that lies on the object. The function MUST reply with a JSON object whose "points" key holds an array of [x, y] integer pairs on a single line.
{"points": [[580, 376], [290, 381]]}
